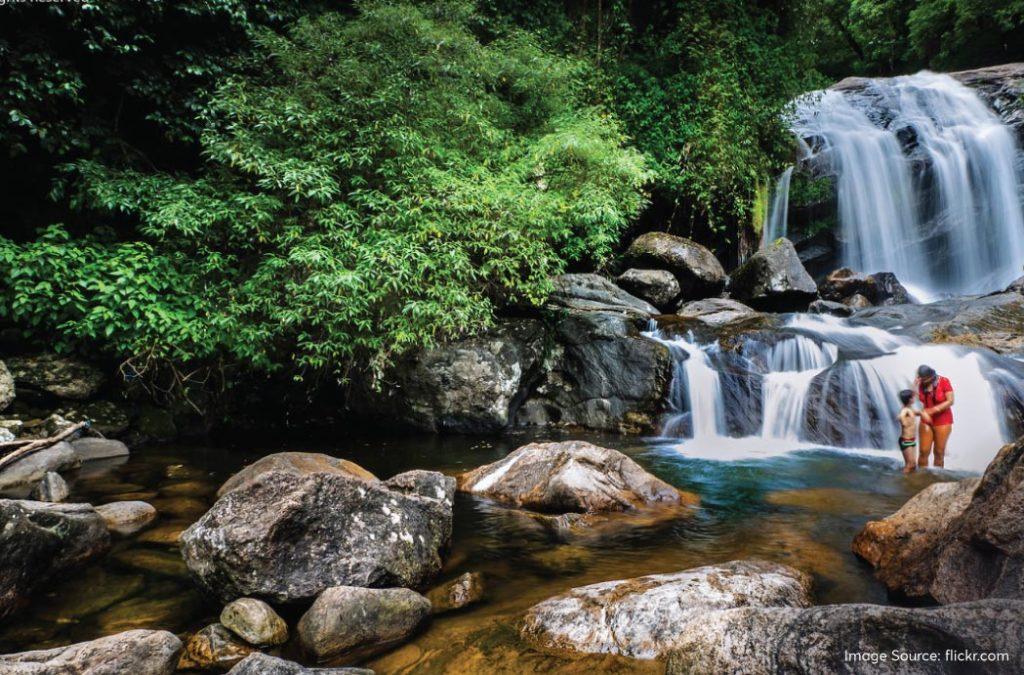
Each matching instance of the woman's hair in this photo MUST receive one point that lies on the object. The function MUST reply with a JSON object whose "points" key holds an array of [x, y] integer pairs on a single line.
{"points": [[925, 371], [906, 396]]}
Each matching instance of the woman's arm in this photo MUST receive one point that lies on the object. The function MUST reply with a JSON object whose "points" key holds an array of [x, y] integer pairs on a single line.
{"points": [[945, 405]]}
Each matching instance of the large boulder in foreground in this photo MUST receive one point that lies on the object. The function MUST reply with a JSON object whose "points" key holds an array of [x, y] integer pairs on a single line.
{"points": [[698, 271], [61, 376], [594, 293], [295, 463], [569, 477], [40, 540], [286, 538], [139, 652], [351, 621], [658, 287], [979, 553], [467, 386], [647, 617], [843, 639], [774, 279], [892, 545]]}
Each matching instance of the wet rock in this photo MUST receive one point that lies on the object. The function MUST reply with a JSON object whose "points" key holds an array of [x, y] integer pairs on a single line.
{"points": [[819, 253], [572, 476], [127, 518], [561, 560], [889, 290], [716, 311], [286, 538], [1001, 88], [173, 608], [190, 488], [52, 488], [471, 385], [264, 664], [347, 620], [254, 621], [89, 449], [843, 283], [658, 287], [166, 535], [139, 652], [769, 640], [213, 648], [39, 541], [180, 507], [31, 469], [698, 271], [61, 376], [464, 590], [6, 386], [648, 617], [829, 307], [774, 279], [107, 417], [857, 301], [154, 561], [594, 293], [294, 463], [86, 593]]}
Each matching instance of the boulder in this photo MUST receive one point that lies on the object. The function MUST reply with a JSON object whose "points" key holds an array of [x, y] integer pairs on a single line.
{"points": [[466, 386], [819, 252], [462, 591], [830, 307], [51, 488], [106, 417], [213, 648], [600, 373], [891, 545], [658, 287], [716, 312], [852, 639], [286, 537], [127, 518], [774, 279], [139, 652], [6, 386], [594, 293], [350, 621], [648, 617], [294, 463], [29, 470], [89, 449], [698, 271], [1002, 87], [569, 477], [254, 621], [61, 376], [264, 664], [6, 435], [863, 290], [857, 301], [889, 290]]}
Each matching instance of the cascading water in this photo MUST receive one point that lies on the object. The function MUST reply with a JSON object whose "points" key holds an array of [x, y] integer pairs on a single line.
{"points": [[926, 181], [822, 382], [775, 220]]}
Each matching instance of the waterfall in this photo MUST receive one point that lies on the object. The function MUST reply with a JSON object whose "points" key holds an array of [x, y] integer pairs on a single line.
{"points": [[775, 220], [926, 181], [821, 382]]}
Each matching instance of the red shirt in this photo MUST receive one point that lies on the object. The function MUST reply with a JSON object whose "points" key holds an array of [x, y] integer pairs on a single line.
{"points": [[936, 396]]}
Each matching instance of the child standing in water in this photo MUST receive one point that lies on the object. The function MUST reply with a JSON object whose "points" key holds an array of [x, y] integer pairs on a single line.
{"points": [[908, 429]]}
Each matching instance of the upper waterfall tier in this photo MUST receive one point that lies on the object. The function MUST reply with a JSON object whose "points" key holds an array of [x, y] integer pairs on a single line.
{"points": [[928, 180]]}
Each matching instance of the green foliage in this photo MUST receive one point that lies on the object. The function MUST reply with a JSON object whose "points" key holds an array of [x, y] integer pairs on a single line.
{"points": [[383, 181]]}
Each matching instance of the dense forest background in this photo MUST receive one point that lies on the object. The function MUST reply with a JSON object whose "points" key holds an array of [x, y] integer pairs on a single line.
{"points": [[213, 190]]}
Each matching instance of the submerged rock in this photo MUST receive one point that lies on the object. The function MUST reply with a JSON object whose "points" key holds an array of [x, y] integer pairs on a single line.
{"points": [[52, 488], [698, 271], [254, 621], [39, 541], [61, 376], [569, 477], [294, 463], [464, 590], [29, 470], [213, 648], [893, 544], [774, 279], [264, 664], [139, 652], [648, 617], [347, 620], [594, 293], [286, 537], [127, 518], [769, 640], [658, 287]]}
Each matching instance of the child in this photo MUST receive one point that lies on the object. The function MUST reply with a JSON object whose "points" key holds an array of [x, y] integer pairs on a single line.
{"points": [[908, 428]]}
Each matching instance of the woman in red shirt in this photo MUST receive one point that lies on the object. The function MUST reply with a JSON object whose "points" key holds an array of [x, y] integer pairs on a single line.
{"points": [[936, 395]]}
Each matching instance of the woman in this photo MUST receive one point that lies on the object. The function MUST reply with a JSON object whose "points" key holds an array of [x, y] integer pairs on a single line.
{"points": [[936, 395]]}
